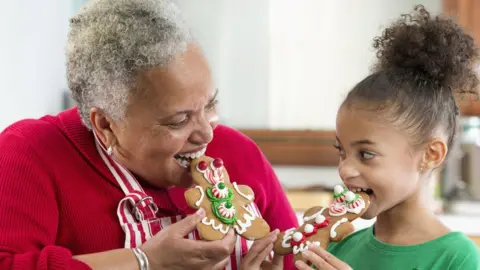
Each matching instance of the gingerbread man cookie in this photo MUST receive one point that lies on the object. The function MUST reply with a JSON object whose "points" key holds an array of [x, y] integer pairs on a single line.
{"points": [[225, 202], [323, 225]]}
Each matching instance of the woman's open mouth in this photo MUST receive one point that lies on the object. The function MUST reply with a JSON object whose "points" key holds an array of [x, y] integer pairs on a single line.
{"points": [[184, 159]]}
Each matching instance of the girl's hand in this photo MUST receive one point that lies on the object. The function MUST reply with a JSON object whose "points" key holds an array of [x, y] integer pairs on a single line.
{"points": [[260, 250], [322, 260]]}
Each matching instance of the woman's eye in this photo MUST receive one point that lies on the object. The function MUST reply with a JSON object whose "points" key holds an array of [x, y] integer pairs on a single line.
{"points": [[367, 155], [180, 123], [212, 105]]}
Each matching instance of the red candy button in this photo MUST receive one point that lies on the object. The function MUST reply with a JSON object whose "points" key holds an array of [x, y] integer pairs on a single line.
{"points": [[217, 163], [202, 165]]}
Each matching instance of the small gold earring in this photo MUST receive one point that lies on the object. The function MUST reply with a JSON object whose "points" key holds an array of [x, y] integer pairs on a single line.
{"points": [[422, 167]]}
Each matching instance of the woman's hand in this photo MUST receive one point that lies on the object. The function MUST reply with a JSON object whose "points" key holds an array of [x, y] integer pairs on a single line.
{"points": [[260, 250], [168, 249], [322, 260]]}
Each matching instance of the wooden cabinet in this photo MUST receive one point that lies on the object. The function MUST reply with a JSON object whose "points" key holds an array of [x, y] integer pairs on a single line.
{"points": [[467, 14]]}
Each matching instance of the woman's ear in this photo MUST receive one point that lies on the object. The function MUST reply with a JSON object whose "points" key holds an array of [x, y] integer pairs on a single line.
{"points": [[102, 126], [435, 153]]}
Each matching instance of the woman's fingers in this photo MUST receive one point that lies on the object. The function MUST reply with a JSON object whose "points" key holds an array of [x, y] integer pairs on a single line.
{"points": [[259, 251]]}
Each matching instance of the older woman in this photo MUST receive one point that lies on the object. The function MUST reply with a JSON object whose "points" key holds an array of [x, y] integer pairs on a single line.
{"points": [[101, 186]]}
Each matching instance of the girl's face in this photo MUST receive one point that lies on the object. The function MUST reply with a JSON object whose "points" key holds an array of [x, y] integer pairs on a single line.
{"points": [[378, 158]]}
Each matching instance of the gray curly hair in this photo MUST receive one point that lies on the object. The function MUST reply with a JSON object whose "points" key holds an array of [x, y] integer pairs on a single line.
{"points": [[111, 42]]}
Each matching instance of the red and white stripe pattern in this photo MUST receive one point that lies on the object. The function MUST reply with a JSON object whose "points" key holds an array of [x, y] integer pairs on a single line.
{"points": [[219, 193], [359, 202], [226, 212], [340, 199], [141, 225], [213, 176], [337, 209]]}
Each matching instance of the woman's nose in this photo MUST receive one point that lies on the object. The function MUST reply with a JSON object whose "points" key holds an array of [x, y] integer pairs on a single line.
{"points": [[203, 133]]}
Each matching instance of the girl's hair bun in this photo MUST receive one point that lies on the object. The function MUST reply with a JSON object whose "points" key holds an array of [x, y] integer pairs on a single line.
{"points": [[429, 50]]}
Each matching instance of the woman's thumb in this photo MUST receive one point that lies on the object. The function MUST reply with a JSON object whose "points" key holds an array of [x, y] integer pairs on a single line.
{"points": [[188, 224]]}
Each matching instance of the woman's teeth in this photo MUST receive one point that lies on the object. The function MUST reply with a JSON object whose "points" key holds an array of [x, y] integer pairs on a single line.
{"points": [[186, 158]]}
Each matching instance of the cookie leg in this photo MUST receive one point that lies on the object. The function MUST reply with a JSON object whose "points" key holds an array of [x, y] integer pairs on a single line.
{"points": [[211, 229], [282, 244], [249, 226]]}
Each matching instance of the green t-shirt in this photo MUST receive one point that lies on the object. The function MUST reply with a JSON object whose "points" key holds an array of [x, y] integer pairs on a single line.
{"points": [[362, 251]]}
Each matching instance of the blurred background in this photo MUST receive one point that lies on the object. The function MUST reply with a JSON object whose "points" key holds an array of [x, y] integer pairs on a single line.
{"points": [[282, 68]]}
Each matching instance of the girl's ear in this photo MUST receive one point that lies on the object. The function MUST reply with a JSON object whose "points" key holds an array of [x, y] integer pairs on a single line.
{"points": [[435, 153]]}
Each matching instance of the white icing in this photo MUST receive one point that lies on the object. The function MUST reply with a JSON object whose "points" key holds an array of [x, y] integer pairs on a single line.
{"points": [[305, 219], [226, 212], [333, 233], [359, 208], [202, 195], [304, 246], [338, 189], [220, 227], [297, 236], [248, 197], [308, 228], [287, 237], [243, 226], [337, 207], [319, 219], [350, 196]]}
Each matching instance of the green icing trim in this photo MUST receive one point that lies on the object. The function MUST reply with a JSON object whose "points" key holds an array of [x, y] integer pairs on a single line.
{"points": [[215, 199], [341, 194], [216, 202], [225, 220], [354, 200]]}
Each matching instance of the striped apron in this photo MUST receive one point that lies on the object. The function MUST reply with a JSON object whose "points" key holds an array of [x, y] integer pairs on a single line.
{"points": [[137, 212]]}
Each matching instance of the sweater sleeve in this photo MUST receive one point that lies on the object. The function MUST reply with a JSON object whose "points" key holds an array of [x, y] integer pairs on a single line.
{"points": [[274, 204], [28, 211]]}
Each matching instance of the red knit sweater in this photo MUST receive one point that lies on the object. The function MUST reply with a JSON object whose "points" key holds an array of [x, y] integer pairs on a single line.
{"points": [[58, 199]]}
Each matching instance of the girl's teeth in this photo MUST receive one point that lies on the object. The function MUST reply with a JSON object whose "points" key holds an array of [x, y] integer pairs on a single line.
{"points": [[356, 190]]}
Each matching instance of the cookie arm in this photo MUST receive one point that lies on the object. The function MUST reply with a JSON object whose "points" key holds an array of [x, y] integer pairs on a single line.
{"points": [[342, 231], [194, 197], [311, 212], [245, 192]]}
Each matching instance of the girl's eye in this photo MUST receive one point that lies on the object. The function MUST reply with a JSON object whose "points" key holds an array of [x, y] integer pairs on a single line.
{"points": [[340, 150], [366, 155], [337, 147]]}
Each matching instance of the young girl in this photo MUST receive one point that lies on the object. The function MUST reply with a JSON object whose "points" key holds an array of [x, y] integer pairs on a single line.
{"points": [[393, 129]]}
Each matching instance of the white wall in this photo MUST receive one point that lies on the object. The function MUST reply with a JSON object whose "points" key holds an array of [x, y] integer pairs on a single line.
{"points": [[319, 50], [287, 64], [32, 73], [234, 36]]}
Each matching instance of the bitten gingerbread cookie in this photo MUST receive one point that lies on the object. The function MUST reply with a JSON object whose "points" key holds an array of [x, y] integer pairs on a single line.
{"points": [[227, 205], [323, 225]]}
